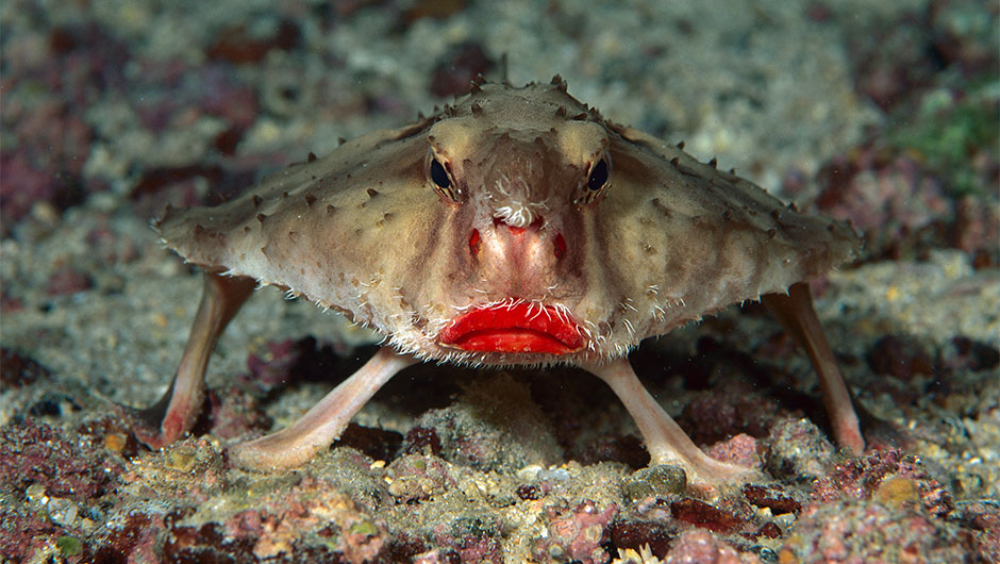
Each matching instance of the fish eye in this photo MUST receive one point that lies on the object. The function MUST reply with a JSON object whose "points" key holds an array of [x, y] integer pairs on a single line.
{"points": [[598, 175], [439, 175], [443, 182], [597, 180]]}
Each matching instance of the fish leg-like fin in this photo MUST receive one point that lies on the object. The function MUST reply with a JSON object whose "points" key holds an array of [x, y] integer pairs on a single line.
{"points": [[176, 412], [796, 314], [320, 426], [666, 442]]}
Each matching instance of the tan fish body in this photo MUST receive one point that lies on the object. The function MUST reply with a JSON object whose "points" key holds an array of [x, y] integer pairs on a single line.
{"points": [[514, 227]]}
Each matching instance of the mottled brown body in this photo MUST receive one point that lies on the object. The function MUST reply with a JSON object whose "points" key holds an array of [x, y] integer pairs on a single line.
{"points": [[454, 235]]}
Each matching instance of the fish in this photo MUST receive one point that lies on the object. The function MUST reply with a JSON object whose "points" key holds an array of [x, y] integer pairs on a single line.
{"points": [[513, 227]]}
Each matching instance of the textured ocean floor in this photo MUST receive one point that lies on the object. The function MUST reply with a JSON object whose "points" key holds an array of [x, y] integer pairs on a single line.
{"points": [[882, 113]]}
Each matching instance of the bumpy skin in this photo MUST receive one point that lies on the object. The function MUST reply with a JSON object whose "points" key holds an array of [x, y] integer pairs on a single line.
{"points": [[366, 231], [514, 227]]}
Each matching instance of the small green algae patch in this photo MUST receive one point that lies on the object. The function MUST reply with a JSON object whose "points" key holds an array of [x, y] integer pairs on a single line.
{"points": [[69, 546], [948, 133]]}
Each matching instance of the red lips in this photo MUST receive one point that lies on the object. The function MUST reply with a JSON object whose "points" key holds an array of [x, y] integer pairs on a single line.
{"points": [[517, 328]]}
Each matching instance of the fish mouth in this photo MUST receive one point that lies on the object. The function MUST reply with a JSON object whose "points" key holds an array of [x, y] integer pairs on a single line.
{"points": [[514, 328]]}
